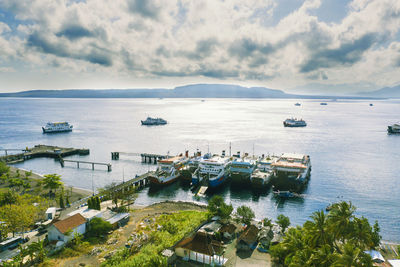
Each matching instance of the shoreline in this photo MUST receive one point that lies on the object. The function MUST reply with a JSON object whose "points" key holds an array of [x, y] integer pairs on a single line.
{"points": [[76, 192]]}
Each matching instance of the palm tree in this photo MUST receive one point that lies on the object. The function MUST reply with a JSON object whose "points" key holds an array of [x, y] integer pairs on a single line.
{"points": [[317, 229], [340, 219], [352, 256]]}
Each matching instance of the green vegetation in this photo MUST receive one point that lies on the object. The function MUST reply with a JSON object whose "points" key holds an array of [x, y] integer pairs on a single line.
{"points": [[217, 207], [94, 203], [283, 222], [52, 181], [245, 214], [98, 227], [19, 213], [334, 239], [172, 228]]}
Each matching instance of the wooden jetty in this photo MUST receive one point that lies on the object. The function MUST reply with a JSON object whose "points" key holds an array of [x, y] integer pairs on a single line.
{"points": [[146, 157], [62, 162], [40, 151], [136, 182]]}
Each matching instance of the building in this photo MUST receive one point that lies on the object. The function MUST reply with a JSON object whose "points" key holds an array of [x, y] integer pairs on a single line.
{"points": [[201, 248], [88, 214], [248, 239], [119, 220], [210, 228], [228, 231], [51, 213], [265, 236], [65, 230]]}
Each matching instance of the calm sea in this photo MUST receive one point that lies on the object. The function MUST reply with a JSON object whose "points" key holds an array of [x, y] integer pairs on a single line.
{"points": [[353, 157]]}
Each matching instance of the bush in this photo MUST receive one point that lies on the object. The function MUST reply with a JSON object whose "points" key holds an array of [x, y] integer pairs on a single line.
{"points": [[98, 227]]}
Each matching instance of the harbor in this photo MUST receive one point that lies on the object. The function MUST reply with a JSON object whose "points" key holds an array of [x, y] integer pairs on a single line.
{"points": [[341, 165]]}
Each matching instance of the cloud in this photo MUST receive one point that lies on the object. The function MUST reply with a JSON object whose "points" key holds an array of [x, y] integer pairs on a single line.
{"points": [[181, 40], [145, 8], [347, 53], [73, 32], [94, 54]]}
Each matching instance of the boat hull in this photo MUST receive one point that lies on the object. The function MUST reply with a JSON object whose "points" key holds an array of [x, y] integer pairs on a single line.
{"points": [[393, 130], [218, 181], [238, 178], [56, 131], [161, 181]]}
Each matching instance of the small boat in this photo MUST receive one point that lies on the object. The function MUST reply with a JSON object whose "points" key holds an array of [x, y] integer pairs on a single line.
{"points": [[323, 104], [297, 104], [154, 121], [394, 128], [293, 122], [284, 194], [371, 104], [57, 127]]}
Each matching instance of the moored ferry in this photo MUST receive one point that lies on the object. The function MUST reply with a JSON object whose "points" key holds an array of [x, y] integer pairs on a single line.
{"points": [[261, 177], [241, 169], [293, 122], [291, 170], [213, 170], [57, 127], [167, 171]]}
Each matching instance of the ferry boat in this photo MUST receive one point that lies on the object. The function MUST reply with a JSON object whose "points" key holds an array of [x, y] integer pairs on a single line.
{"points": [[293, 122], [214, 170], [394, 128], [262, 175], [323, 104], [291, 170], [190, 167], [167, 171], [154, 121], [297, 104], [241, 169], [57, 127]]}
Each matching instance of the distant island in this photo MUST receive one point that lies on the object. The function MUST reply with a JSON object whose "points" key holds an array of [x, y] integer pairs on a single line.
{"points": [[386, 92], [187, 91]]}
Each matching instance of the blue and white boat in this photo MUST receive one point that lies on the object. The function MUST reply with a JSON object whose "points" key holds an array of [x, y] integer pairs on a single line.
{"points": [[213, 169], [261, 177], [241, 168]]}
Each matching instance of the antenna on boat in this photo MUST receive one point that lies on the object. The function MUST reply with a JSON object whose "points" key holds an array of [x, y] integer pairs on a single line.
{"points": [[230, 149], [253, 150]]}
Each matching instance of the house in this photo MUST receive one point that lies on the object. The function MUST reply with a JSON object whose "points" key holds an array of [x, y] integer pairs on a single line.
{"points": [[265, 236], [119, 219], [248, 239], [201, 248], [210, 228], [228, 231], [88, 214], [65, 230], [51, 213]]}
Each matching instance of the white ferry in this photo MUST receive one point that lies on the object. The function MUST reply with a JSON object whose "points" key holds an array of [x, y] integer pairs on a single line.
{"points": [[261, 177], [241, 168], [214, 169], [154, 121], [292, 167], [167, 171], [293, 122], [57, 127]]}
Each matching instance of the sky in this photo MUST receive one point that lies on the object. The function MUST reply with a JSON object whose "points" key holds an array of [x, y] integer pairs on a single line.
{"points": [[312, 46]]}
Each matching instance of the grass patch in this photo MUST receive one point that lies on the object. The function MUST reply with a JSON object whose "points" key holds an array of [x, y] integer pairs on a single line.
{"points": [[173, 228]]}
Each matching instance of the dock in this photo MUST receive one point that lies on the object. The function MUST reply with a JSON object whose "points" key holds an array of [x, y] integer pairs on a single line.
{"points": [[78, 162], [40, 151], [136, 182], [146, 157]]}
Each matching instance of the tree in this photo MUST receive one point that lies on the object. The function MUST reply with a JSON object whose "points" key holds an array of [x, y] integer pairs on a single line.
{"points": [[90, 203], [245, 214], [62, 202], [8, 198], [52, 181], [98, 204], [267, 222], [99, 227], [283, 222], [217, 207], [4, 169], [67, 201]]}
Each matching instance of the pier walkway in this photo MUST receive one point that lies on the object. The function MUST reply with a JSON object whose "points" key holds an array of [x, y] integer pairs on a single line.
{"points": [[40, 151], [146, 157], [62, 162]]}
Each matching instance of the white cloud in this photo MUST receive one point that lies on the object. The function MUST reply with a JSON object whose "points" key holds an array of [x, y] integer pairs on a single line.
{"points": [[209, 39]]}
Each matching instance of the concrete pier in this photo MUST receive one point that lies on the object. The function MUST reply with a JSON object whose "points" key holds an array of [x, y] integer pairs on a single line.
{"points": [[62, 162], [146, 157]]}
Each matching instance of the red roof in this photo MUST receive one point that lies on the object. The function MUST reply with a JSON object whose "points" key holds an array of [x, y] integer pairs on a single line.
{"points": [[70, 223]]}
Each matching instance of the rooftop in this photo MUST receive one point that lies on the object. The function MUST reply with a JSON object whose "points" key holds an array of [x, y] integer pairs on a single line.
{"points": [[249, 236], [86, 213], [202, 243], [293, 156], [70, 223]]}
